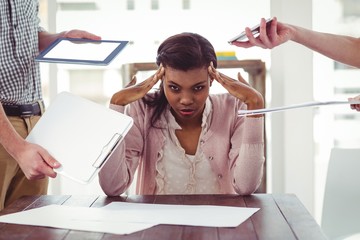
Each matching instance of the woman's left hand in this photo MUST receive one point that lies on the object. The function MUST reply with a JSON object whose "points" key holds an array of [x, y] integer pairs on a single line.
{"points": [[238, 88]]}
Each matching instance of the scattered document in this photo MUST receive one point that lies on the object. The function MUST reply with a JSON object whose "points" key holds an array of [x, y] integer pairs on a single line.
{"points": [[126, 218], [301, 105], [192, 215], [76, 218]]}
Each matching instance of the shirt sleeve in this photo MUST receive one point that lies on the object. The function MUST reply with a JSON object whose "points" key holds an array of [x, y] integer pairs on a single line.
{"points": [[40, 29], [249, 156], [118, 172]]}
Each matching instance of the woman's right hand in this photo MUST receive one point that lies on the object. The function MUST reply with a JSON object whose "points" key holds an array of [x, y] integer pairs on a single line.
{"points": [[133, 91]]}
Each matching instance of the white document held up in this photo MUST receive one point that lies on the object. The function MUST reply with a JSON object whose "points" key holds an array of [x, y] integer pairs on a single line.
{"points": [[294, 106], [80, 134]]}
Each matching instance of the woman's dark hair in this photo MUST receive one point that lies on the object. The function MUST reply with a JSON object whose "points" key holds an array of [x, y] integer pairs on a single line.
{"points": [[184, 51]]}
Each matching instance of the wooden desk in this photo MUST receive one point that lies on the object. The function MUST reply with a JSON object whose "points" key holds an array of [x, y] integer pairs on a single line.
{"points": [[280, 217]]}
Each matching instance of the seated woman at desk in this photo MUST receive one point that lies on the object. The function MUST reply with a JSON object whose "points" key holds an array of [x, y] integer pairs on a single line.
{"points": [[185, 140]]}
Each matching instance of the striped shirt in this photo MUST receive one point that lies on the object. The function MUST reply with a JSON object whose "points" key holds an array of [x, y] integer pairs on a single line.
{"points": [[19, 73]]}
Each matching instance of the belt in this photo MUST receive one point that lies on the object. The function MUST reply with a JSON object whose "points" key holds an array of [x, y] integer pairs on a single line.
{"points": [[26, 110]]}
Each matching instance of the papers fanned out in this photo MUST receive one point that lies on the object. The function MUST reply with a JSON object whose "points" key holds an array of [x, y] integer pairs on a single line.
{"points": [[294, 106], [126, 218]]}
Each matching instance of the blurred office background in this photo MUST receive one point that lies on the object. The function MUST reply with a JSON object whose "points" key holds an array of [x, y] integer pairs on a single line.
{"points": [[298, 141]]}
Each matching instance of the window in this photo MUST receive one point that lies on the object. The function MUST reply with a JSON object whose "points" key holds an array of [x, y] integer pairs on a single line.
{"points": [[154, 4], [130, 4], [186, 4]]}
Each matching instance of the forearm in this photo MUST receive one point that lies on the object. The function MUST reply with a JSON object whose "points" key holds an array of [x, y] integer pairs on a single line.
{"points": [[9, 138], [341, 48], [248, 167], [248, 170], [115, 177]]}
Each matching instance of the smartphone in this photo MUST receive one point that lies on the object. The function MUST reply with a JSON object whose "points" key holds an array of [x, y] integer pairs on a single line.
{"points": [[255, 31]]}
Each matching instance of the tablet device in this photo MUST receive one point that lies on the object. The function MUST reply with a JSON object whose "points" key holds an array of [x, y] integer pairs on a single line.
{"points": [[81, 51], [255, 30], [80, 134]]}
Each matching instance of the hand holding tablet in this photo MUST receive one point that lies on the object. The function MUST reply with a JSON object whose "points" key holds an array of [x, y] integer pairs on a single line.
{"points": [[82, 51]]}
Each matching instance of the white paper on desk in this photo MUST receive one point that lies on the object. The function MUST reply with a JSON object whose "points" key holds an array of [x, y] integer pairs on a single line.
{"points": [[192, 215], [294, 106], [125, 218], [75, 218]]}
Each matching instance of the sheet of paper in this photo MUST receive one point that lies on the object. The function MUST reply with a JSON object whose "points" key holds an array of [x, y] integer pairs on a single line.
{"points": [[192, 215], [75, 218], [125, 218], [301, 105]]}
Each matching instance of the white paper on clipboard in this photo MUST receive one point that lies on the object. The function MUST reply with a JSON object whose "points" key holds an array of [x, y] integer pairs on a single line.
{"points": [[80, 134], [294, 106]]}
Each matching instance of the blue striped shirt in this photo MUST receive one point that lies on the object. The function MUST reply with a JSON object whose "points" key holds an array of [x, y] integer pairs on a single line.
{"points": [[19, 73]]}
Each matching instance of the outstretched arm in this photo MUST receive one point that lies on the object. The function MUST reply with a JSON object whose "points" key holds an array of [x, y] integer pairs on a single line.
{"points": [[341, 48]]}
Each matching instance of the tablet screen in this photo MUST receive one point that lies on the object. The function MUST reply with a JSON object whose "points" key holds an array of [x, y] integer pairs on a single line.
{"points": [[82, 51]]}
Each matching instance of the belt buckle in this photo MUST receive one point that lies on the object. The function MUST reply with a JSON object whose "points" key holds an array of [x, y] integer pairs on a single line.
{"points": [[26, 111], [26, 114]]}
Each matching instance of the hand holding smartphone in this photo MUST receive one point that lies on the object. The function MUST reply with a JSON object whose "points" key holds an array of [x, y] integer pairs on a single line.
{"points": [[255, 31]]}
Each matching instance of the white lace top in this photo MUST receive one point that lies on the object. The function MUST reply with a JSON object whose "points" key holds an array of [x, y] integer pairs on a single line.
{"points": [[180, 173]]}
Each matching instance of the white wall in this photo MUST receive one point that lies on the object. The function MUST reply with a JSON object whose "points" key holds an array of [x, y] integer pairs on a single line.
{"points": [[292, 131]]}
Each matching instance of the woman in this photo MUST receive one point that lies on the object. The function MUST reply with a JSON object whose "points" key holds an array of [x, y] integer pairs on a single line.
{"points": [[184, 140]]}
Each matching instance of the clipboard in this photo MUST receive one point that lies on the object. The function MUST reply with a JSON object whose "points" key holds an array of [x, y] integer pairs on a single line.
{"points": [[294, 106], [81, 51], [80, 134]]}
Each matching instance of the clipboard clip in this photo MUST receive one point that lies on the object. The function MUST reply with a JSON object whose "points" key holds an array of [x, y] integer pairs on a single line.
{"points": [[107, 150]]}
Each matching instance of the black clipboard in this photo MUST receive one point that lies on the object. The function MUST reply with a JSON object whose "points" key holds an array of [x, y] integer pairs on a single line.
{"points": [[80, 134], [81, 51]]}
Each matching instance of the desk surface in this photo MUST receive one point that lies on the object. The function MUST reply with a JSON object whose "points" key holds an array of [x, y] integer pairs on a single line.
{"points": [[281, 216]]}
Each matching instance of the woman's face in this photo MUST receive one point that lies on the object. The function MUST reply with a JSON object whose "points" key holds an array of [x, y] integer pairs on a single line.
{"points": [[186, 92]]}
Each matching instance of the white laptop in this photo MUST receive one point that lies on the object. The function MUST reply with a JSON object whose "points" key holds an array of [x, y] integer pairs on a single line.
{"points": [[80, 134]]}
